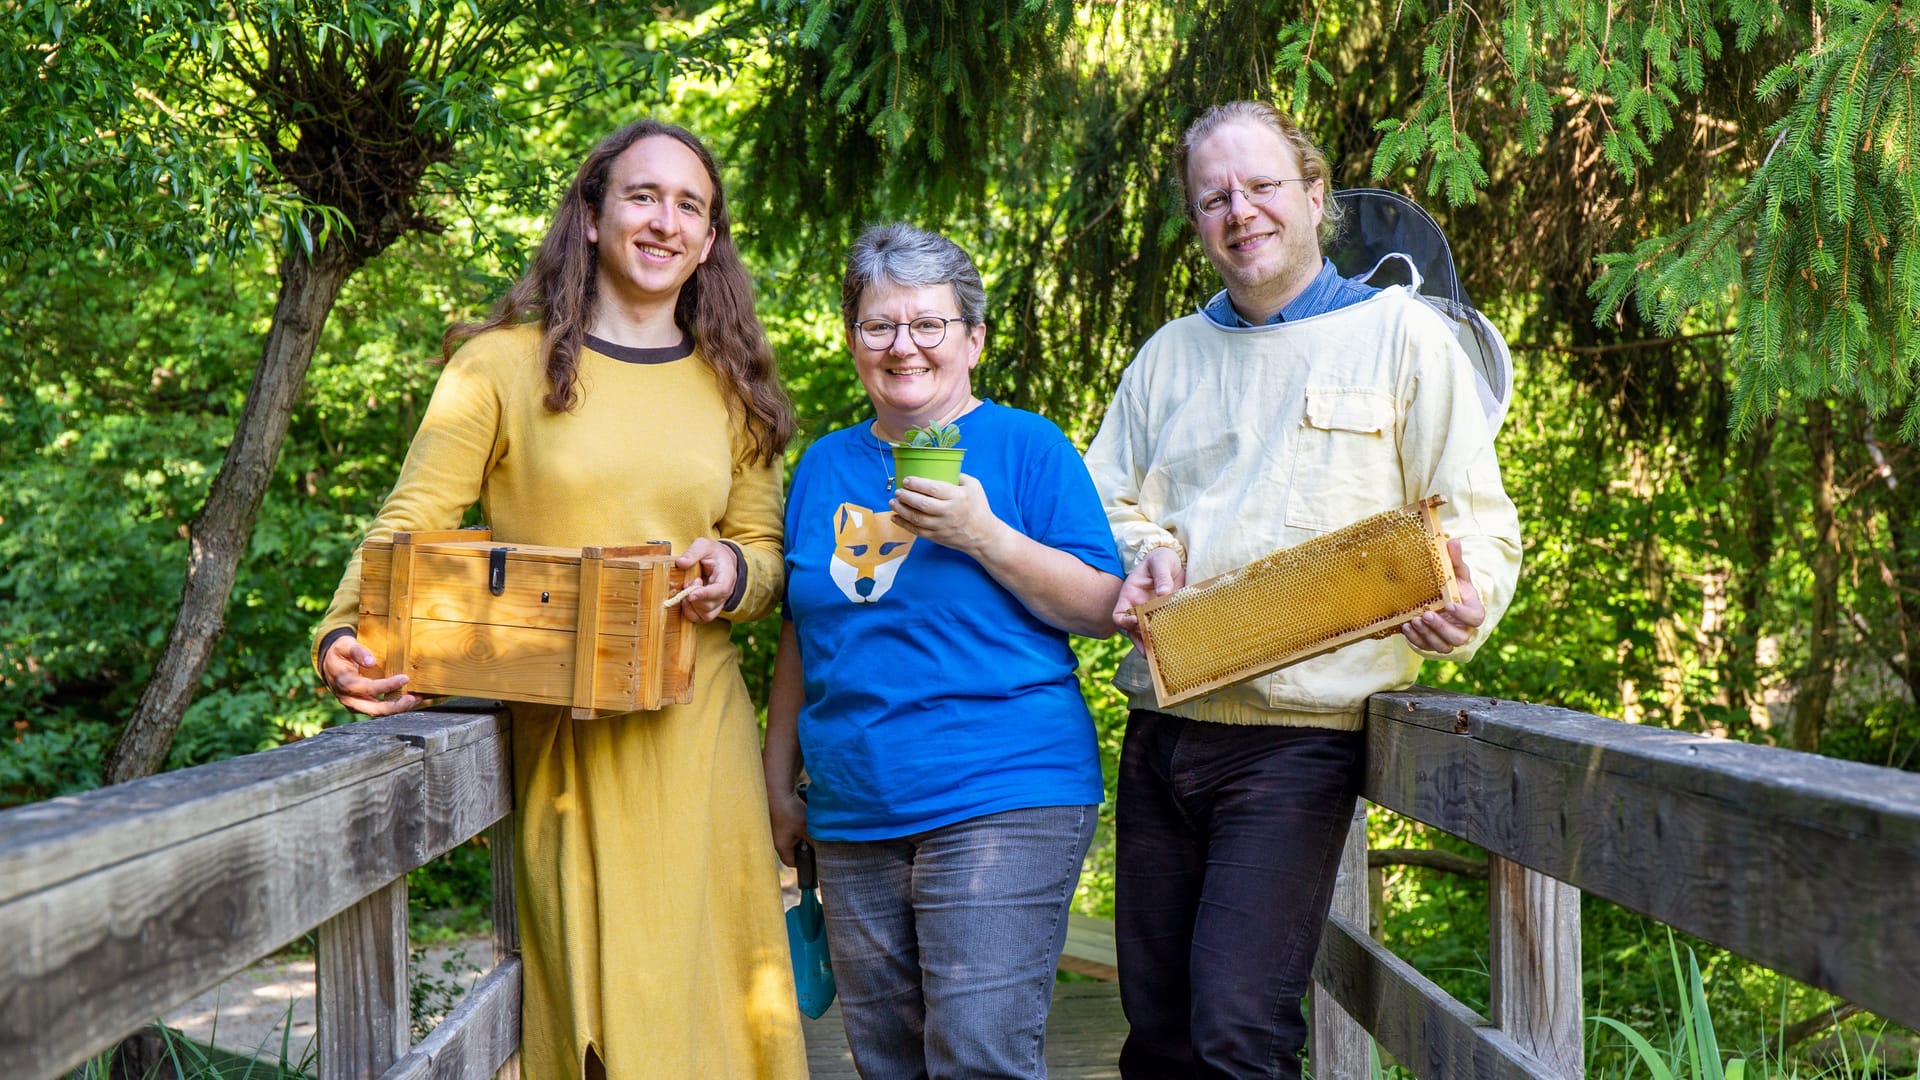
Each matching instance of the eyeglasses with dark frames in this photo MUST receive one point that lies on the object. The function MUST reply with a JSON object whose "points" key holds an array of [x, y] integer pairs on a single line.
{"points": [[927, 331], [1259, 190]]}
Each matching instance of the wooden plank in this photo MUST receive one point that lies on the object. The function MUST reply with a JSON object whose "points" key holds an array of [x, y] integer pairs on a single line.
{"points": [[479, 534], [629, 551], [376, 633], [1421, 1025], [399, 608], [466, 790], [477, 1039], [468, 770], [506, 921], [46, 843], [516, 663], [540, 592], [1845, 796], [98, 955], [1535, 964], [452, 587], [681, 636], [475, 544], [438, 730], [360, 974], [650, 656], [585, 657], [1339, 1045], [376, 577], [1746, 847], [1089, 949]]}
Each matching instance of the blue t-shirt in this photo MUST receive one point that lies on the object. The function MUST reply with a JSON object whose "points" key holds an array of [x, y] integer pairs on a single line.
{"points": [[932, 694]]}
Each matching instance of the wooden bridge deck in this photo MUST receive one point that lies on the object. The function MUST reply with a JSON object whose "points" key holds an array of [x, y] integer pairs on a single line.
{"points": [[1084, 1033]]}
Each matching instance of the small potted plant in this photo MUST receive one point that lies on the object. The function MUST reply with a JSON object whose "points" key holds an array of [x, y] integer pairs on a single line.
{"points": [[929, 451]]}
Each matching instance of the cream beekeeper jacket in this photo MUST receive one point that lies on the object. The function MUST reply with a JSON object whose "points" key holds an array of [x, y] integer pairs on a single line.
{"points": [[1228, 443]]}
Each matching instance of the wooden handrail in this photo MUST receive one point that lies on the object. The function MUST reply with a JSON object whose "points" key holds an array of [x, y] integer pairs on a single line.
{"points": [[119, 904], [1807, 865]]}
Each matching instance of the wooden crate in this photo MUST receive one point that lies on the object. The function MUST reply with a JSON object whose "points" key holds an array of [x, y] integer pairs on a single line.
{"points": [[587, 628]]}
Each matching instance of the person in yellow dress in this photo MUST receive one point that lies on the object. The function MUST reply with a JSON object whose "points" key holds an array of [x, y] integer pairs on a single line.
{"points": [[623, 391]]}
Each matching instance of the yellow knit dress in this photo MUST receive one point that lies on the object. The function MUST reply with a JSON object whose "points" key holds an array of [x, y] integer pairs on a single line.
{"points": [[650, 917]]}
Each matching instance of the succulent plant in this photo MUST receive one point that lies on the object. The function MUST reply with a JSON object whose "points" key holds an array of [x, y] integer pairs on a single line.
{"points": [[933, 435]]}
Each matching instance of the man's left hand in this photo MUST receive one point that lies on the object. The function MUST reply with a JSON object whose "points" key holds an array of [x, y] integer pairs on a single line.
{"points": [[1452, 626], [719, 570]]}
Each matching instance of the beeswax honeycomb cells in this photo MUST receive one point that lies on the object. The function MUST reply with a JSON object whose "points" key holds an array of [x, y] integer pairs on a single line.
{"points": [[1298, 601]]}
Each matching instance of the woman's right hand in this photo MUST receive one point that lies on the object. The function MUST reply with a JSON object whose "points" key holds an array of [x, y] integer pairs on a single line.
{"points": [[787, 812], [340, 669]]}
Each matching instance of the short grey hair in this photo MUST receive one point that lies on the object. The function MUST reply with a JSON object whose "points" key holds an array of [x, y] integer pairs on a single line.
{"points": [[902, 254], [1313, 160]]}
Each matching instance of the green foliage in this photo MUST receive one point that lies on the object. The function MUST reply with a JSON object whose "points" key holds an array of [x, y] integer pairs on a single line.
{"points": [[185, 126], [1817, 259], [1697, 1050], [432, 994], [188, 1060], [942, 436]]}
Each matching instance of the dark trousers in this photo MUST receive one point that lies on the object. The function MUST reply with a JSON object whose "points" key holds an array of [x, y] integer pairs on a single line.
{"points": [[1228, 840]]}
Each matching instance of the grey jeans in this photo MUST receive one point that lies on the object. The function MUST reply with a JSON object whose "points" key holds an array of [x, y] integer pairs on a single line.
{"points": [[944, 943]]}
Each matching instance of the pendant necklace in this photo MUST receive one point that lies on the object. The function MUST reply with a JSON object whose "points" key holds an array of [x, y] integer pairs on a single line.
{"points": [[886, 458]]}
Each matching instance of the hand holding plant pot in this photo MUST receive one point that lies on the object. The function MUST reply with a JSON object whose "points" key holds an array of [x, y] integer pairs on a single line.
{"points": [[956, 516], [931, 451]]}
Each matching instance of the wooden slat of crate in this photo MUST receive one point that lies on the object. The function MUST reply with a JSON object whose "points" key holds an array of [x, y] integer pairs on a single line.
{"points": [[376, 562], [472, 659], [677, 650]]}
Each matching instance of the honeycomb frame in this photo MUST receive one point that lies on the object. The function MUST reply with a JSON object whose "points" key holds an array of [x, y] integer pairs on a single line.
{"points": [[1273, 611]]}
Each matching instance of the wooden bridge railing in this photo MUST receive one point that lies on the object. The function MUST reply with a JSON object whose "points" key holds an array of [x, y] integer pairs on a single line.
{"points": [[119, 904], [1805, 864]]}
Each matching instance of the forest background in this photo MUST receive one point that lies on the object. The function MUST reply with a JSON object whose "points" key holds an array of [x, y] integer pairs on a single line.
{"points": [[234, 232]]}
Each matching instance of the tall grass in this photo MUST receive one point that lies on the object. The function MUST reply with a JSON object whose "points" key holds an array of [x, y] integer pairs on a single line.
{"points": [[184, 1059], [1692, 1050]]}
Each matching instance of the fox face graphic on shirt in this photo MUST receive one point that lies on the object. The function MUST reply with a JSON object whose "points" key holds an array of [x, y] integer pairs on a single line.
{"points": [[868, 551]]}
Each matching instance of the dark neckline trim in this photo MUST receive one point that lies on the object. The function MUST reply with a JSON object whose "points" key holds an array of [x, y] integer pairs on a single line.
{"points": [[627, 354]]}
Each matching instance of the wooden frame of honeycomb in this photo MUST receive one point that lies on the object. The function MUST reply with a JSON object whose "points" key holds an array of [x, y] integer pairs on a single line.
{"points": [[1357, 582]]}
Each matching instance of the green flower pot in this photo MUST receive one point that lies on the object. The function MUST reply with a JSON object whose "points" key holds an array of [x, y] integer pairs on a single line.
{"points": [[933, 462]]}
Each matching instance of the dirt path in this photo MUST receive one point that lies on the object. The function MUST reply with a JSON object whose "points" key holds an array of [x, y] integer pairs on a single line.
{"points": [[253, 1012]]}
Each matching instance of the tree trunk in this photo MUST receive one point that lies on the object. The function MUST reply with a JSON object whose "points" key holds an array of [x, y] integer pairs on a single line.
{"points": [[1816, 684], [218, 538], [1741, 655]]}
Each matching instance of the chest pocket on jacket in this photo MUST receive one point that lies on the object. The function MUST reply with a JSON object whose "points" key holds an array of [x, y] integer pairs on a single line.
{"points": [[1346, 459]]}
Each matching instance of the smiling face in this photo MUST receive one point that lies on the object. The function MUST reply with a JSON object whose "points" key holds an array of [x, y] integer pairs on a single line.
{"points": [[912, 386], [654, 225], [1267, 253]]}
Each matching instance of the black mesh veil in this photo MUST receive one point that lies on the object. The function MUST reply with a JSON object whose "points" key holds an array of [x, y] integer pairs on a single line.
{"points": [[1387, 239]]}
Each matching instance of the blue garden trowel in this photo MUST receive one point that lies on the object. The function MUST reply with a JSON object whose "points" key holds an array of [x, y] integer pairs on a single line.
{"points": [[807, 938]]}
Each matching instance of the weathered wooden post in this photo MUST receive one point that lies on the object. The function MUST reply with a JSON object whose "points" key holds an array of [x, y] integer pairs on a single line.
{"points": [[506, 926], [361, 976], [1339, 1045], [1535, 961]]}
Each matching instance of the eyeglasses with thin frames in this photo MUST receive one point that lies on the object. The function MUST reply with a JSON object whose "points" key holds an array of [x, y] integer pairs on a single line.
{"points": [[1259, 190], [928, 331]]}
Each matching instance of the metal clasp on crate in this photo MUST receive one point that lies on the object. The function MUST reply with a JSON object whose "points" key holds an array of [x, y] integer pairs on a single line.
{"points": [[497, 570]]}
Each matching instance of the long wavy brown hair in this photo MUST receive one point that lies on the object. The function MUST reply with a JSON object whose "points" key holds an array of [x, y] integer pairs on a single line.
{"points": [[715, 306]]}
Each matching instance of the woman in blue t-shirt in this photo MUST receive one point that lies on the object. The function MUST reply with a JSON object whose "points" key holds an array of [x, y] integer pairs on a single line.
{"points": [[924, 679]]}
